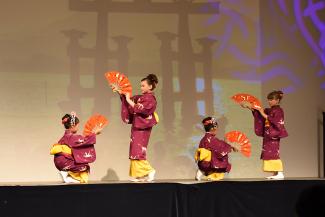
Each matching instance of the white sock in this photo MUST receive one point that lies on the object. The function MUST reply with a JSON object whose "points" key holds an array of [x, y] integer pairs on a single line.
{"points": [[69, 179], [199, 175], [132, 179], [279, 175], [151, 176], [64, 175]]}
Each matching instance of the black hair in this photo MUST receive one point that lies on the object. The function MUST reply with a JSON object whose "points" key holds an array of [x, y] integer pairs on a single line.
{"points": [[67, 121], [151, 80], [209, 123], [276, 94]]}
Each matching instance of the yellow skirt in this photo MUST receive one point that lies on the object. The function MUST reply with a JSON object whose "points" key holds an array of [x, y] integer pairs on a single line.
{"points": [[140, 168], [272, 165], [215, 176], [80, 176]]}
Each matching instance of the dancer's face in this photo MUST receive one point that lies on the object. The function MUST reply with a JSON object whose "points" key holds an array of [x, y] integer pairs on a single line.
{"points": [[145, 87], [75, 128], [273, 102], [214, 130]]}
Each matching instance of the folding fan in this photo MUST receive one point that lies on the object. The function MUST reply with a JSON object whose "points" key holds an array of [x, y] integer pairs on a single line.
{"points": [[119, 81], [244, 97], [96, 120], [241, 139]]}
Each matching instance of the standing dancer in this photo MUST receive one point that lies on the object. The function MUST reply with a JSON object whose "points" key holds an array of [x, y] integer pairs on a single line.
{"points": [[269, 124], [139, 111]]}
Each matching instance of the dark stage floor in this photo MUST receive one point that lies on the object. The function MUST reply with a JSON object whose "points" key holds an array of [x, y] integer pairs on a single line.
{"points": [[167, 198]]}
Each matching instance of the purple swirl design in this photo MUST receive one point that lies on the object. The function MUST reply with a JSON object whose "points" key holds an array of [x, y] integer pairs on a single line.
{"points": [[311, 12], [236, 21]]}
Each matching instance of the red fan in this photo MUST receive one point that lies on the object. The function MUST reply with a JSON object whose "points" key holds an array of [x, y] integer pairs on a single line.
{"points": [[94, 121], [119, 81], [244, 97], [241, 139]]}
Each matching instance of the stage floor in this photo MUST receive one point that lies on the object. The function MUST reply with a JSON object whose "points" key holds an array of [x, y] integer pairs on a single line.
{"points": [[178, 181], [166, 198]]}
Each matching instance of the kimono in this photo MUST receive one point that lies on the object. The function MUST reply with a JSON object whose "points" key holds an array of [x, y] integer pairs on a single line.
{"points": [[142, 117], [216, 160], [74, 152], [272, 130]]}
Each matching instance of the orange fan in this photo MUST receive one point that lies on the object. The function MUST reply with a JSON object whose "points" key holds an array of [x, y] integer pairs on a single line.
{"points": [[119, 81], [244, 97], [94, 121], [241, 139]]}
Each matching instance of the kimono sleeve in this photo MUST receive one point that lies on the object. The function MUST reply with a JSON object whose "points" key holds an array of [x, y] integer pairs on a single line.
{"points": [[146, 105], [126, 111], [81, 141], [276, 120], [220, 148], [259, 123]]}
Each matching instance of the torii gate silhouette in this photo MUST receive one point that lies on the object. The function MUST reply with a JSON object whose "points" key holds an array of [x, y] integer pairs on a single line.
{"points": [[186, 58]]}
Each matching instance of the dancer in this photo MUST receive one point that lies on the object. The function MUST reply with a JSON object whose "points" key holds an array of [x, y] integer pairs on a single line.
{"points": [[73, 152], [212, 154], [269, 124], [139, 111]]}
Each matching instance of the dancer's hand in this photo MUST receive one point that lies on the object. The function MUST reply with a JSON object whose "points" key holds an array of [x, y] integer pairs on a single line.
{"points": [[115, 89], [246, 105], [234, 149], [261, 110], [97, 130], [127, 95], [234, 146]]}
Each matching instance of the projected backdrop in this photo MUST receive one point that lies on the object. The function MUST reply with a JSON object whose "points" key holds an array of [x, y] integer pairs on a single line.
{"points": [[202, 51]]}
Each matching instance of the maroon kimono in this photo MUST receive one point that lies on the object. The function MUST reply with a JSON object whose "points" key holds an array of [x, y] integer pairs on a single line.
{"points": [[142, 119], [83, 152], [219, 154], [272, 130]]}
